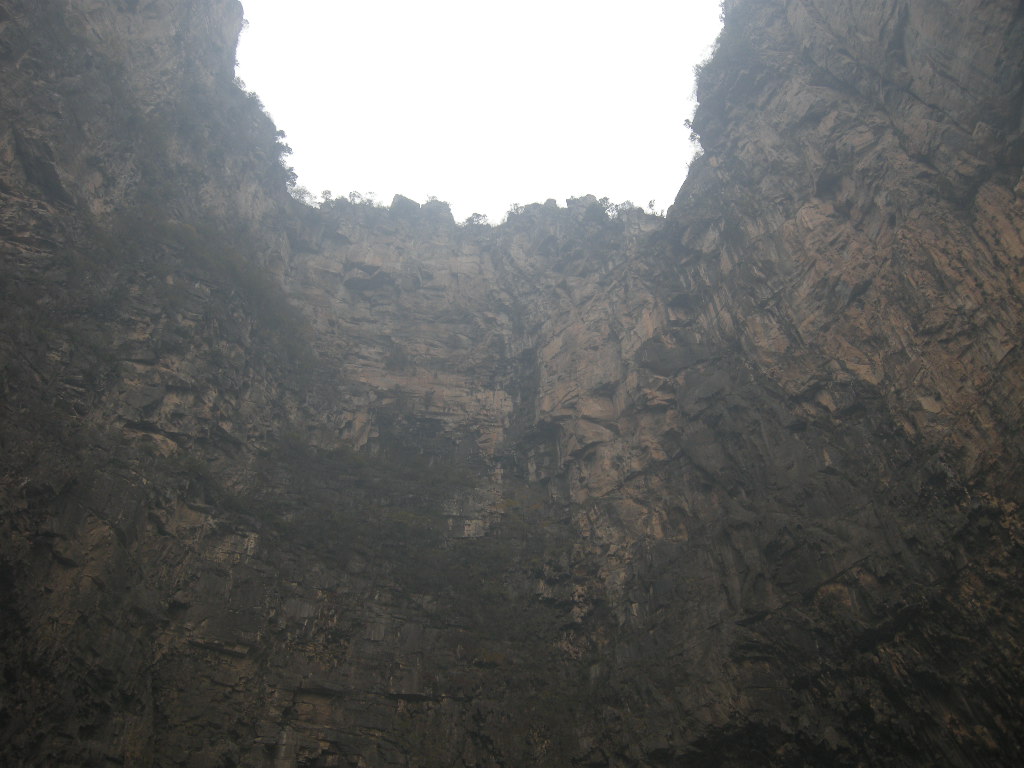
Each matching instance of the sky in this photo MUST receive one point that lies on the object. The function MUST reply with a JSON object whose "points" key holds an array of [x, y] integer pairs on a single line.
{"points": [[481, 104]]}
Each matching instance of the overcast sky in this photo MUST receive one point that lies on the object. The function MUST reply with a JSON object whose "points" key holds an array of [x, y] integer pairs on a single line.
{"points": [[481, 104]]}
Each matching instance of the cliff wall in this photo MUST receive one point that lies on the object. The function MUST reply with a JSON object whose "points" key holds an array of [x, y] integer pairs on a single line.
{"points": [[360, 486]]}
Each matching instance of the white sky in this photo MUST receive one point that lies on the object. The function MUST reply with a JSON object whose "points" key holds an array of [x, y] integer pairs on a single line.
{"points": [[481, 104]]}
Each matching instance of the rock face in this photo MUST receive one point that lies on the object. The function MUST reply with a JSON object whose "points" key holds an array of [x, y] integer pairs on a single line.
{"points": [[359, 486]]}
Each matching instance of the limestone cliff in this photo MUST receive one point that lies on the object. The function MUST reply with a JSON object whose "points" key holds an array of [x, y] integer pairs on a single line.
{"points": [[360, 486]]}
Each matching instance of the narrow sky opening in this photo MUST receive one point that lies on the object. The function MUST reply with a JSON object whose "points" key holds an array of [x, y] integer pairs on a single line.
{"points": [[483, 105]]}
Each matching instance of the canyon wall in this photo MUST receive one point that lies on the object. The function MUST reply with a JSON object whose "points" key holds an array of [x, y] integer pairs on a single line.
{"points": [[361, 486]]}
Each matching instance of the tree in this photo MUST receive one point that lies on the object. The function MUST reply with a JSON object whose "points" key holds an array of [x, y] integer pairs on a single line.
{"points": [[301, 194]]}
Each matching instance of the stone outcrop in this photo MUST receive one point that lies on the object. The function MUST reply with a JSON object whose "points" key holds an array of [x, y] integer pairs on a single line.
{"points": [[360, 486]]}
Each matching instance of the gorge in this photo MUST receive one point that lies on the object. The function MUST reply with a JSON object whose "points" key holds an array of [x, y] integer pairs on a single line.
{"points": [[360, 486]]}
